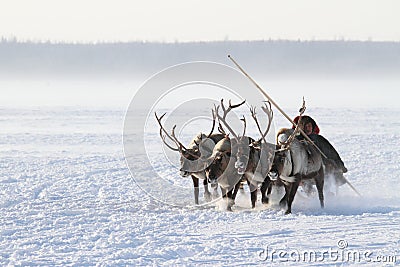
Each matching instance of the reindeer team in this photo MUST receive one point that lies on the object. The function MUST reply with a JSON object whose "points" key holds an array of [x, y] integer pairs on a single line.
{"points": [[226, 159]]}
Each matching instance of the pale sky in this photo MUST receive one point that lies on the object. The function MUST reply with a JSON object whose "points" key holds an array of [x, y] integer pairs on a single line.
{"points": [[202, 20]]}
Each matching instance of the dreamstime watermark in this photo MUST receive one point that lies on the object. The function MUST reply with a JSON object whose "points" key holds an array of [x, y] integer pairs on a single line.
{"points": [[339, 254]]}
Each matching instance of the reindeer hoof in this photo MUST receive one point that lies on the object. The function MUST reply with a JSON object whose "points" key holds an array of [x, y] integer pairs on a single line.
{"points": [[207, 197], [288, 212], [215, 194], [265, 200]]}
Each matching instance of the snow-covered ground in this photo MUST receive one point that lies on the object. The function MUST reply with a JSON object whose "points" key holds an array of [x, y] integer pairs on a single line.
{"points": [[67, 197]]}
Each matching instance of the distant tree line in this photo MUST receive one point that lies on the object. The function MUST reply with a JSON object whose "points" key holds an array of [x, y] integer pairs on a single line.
{"points": [[269, 58]]}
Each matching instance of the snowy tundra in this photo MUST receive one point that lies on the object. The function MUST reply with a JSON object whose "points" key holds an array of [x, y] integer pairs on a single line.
{"points": [[68, 198]]}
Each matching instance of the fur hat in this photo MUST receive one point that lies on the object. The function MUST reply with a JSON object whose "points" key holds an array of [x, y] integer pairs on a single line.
{"points": [[307, 119]]}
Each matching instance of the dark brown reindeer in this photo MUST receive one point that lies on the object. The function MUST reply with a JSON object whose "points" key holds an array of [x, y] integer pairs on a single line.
{"points": [[294, 162], [222, 167], [221, 171], [192, 158], [254, 159]]}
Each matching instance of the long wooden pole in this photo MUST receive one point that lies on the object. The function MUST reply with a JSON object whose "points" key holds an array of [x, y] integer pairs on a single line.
{"points": [[275, 105], [285, 115]]}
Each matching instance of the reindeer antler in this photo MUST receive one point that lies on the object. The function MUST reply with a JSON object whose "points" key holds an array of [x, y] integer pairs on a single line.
{"points": [[268, 110], [303, 107], [296, 130], [223, 117], [172, 137], [213, 125], [244, 125], [176, 139]]}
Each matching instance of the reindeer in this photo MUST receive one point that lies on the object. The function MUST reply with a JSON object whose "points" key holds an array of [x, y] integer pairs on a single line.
{"points": [[254, 159], [294, 162], [192, 158], [223, 167], [221, 171]]}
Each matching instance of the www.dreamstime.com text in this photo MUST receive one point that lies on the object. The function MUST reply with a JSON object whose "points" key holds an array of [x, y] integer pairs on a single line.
{"points": [[341, 253]]}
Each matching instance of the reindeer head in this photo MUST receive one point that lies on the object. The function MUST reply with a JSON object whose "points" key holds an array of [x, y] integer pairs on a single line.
{"points": [[192, 158], [218, 162], [189, 161], [243, 149], [280, 164]]}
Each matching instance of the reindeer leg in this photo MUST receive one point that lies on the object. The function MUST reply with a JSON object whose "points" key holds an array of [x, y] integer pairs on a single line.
{"points": [[284, 199], [223, 191], [207, 194], [266, 185], [292, 193], [241, 186], [253, 194], [230, 199], [319, 181], [196, 189], [227, 197], [215, 193], [235, 190]]}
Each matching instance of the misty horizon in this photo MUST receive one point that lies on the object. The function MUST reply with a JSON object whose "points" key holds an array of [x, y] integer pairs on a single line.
{"points": [[270, 58], [329, 73]]}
